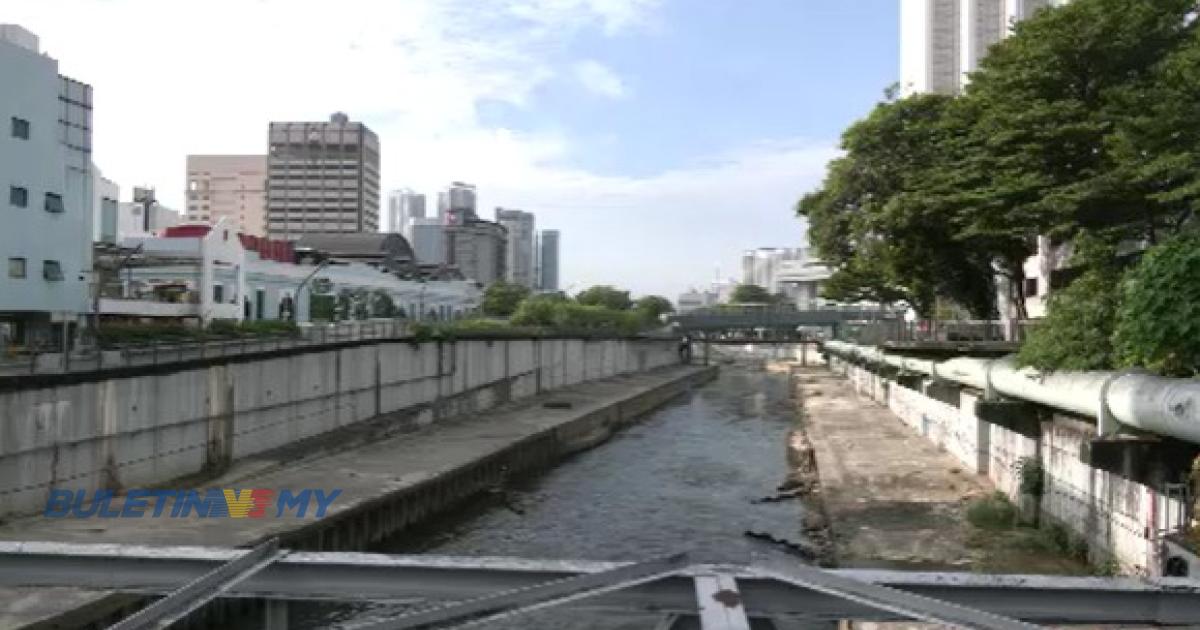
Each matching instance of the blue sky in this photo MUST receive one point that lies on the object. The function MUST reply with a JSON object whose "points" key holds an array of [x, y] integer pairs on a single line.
{"points": [[662, 137]]}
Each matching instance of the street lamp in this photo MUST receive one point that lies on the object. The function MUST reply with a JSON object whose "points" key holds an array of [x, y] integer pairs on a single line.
{"points": [[300, 287]]}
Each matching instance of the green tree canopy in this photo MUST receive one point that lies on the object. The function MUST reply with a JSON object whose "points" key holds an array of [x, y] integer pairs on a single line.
{"points": [[501, 298], [750, 294], [650, 307], [1158, 323], [606, 296]]}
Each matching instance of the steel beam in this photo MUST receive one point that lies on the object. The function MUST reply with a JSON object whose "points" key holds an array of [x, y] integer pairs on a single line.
{"points": [[198, 592], [363, 577], [507, 603], [720, 603], [911, 605]]}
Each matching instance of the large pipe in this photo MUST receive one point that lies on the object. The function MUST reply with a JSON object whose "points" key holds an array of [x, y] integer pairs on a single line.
{"points": [[1166, 406]]}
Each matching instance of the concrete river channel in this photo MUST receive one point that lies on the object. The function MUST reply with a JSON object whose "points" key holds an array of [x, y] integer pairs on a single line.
{"points": [[686, 478]]}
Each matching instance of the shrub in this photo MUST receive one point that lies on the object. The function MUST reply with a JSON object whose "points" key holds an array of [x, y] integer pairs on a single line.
{"points": [[1158, 324], [992, 512]]}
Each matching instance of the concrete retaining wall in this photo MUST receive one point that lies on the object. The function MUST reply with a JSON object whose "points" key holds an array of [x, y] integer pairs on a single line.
{"points": [[150, 428], [1121, 519]]}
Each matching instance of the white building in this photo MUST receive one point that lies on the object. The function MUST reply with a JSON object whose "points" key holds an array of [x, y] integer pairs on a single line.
{"points": [[404, 206], [519, 249], [107, 197], [761, 266], [46, 223], [941, 41], [131, 219], [693, 299], [211, 272]]}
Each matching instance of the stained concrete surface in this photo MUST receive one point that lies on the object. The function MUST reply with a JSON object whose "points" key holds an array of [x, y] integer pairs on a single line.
{"points": [[893, 498], [363, 474]]}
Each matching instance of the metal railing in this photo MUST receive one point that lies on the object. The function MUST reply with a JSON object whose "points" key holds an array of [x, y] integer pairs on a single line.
{"points": [[166, 351], [929, 330]]}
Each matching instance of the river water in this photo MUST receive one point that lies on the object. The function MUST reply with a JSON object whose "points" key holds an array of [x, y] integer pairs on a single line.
{"points": [[684, 479]]}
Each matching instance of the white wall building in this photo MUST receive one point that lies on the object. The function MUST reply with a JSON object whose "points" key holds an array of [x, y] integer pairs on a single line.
{"points": [[761, 266], [107, 197], [404, 206], [519, 248], [941, 41], [45, 157]]}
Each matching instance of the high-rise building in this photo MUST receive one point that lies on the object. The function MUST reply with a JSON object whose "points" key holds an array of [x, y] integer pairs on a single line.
{"points": [[460, 197], [45, 156], [231, 187], [761, 266], [941, 41], [404, 206], [478, 249], [322, 177], [548, 261], [519, 252]]}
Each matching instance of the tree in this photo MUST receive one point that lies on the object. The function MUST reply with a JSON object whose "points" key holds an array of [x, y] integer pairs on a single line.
{"points": [[382, 304], [879, 218], [606, 296], [1158, 323], [501, 299], [1076, 333], [750, 294], [1037, 154], [651, 307]]}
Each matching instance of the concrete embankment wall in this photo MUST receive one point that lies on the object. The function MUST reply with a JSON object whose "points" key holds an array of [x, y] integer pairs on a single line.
{"points": [[1120, 518], [146, 427]]}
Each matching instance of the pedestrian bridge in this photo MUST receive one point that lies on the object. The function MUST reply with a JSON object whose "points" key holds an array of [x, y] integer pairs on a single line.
{"points": [[775, 318]]}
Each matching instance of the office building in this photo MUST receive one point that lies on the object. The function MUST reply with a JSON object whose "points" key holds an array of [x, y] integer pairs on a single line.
{"points": [[761, 266], [478, 249], [457, 203], [942, 41], [428, 238], [519, 251], [232, 187], [45, 156], [322, 177], [548, 260], [404, 206]]}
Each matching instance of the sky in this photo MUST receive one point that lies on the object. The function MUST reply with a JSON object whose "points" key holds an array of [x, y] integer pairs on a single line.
{"points": [[661, 137]]}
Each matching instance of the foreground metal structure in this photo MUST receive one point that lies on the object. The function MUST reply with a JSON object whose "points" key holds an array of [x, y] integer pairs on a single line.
{"points": [[439, 591]]}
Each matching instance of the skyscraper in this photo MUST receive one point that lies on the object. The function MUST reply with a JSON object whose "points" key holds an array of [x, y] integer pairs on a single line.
{"points": [[548, 260], [941, 41], [231, 187], [404, 206], [519, 252], [322, 177]]}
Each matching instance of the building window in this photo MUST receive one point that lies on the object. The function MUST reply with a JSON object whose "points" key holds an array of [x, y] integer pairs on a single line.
{"points": [[20, 128], [52, 270], [219, 293], [18, 196], [54, 202], [16, 267], [1031, 287]]}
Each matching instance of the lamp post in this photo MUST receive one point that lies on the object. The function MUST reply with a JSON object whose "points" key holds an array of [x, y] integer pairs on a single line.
{"points": [[300, 287]]}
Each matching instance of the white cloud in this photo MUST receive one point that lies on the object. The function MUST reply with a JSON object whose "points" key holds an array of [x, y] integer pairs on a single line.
{"points": [[600, 79], [173, 78]]}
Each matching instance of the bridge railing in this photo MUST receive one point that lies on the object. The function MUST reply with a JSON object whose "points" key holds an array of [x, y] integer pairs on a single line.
{"points": [[933, 330]]}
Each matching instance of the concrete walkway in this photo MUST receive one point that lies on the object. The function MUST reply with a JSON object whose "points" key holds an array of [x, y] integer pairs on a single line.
{"points": [[363, 474], [894, 499]]}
